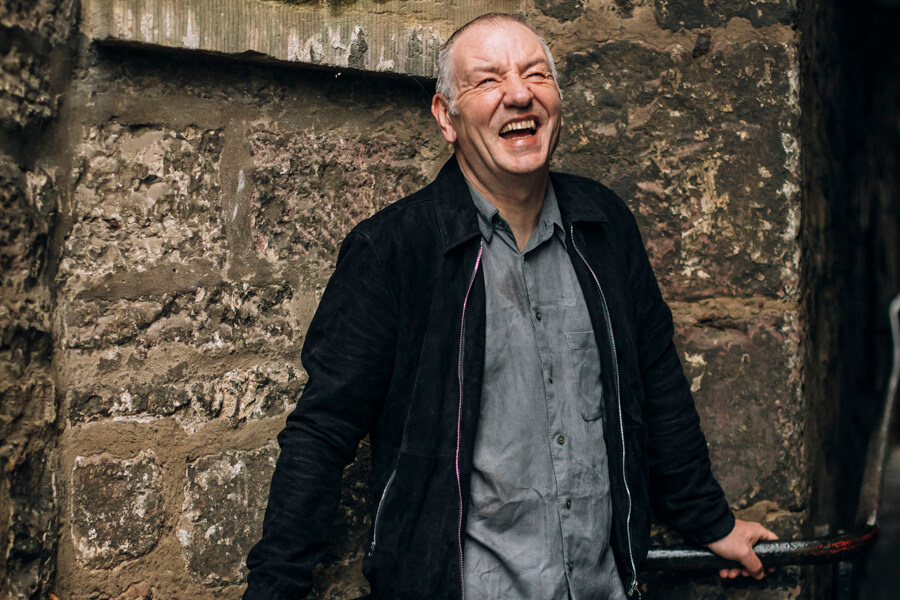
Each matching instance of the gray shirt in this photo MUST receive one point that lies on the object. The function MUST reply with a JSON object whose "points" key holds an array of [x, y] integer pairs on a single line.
{"points": [[540, 511]]}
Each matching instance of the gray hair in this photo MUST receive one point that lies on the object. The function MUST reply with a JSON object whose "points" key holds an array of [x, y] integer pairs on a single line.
{"points": [[446, 84]]}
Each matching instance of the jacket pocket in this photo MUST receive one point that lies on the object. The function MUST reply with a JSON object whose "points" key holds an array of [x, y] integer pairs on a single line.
{"points": [[585, 364]]}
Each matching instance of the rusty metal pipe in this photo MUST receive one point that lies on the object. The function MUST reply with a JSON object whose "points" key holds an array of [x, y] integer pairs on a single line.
{"points": [[828, 549], [773, 554]]}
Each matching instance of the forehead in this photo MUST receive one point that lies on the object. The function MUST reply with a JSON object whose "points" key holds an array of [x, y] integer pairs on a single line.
{"points": [[495, 45]]}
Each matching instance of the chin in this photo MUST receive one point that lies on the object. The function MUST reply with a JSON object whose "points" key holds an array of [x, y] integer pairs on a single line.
{"points": [[525, 167]]}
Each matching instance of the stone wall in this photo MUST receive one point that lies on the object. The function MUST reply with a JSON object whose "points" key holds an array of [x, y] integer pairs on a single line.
{"points": [[201, 202], [207, 203], [34, 61]]}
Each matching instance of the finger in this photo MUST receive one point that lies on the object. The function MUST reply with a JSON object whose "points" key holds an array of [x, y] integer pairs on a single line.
{"points": [[762, 533], [753, 565]]}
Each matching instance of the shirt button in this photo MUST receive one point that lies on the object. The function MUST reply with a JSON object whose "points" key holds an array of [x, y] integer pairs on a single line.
{"points": [[561, 439], [570, 566], [569, 503], [550, 378], [537, 315]]}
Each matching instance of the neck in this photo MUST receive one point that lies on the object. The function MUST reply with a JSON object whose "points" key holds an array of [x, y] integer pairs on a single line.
{"points": [[518, 198]]}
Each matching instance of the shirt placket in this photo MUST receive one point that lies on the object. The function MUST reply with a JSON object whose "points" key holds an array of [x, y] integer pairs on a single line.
{"points": [[558, 441]]}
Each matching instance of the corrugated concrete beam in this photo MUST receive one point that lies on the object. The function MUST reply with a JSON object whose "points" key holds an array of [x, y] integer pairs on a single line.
{"points": [[392, 36]]}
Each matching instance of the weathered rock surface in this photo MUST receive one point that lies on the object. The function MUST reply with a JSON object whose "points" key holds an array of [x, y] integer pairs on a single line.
{"points": [[704, 153], [690, 14], [160, 263], [229, 483], [117, 508], [745, 370], [34, 64]]}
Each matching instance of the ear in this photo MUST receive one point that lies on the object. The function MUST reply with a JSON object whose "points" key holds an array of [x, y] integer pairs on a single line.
{"points": [[440, 108]]}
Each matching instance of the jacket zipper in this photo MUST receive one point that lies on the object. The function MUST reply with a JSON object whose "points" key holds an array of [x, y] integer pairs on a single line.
{"points": [[384, 494], [612, 343], [459, 378]]}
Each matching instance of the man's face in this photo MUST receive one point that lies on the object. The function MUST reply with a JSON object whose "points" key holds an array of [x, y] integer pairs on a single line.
{"points": [[508, 105]]}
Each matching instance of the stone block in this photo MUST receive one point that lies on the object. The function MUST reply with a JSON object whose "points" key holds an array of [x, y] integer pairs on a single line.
{"points": [[743, 364], [225, 499], [311, 189], [239, 395], [702, 151], [690, 14], [143, 196], [117, 508], [153, 308], [562, 10]]}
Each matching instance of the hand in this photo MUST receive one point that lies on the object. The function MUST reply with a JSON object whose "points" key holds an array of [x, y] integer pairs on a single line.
{"points": [[738, 546]]}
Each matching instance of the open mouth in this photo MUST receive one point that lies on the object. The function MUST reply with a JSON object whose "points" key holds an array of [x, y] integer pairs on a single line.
{"points": [[518, 129]]}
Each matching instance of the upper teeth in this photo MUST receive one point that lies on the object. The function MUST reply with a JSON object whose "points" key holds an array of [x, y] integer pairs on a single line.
{"points": [[529, 124]]}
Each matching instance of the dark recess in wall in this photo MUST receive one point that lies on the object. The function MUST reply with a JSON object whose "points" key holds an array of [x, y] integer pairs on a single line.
{"points": [[851, 218]]}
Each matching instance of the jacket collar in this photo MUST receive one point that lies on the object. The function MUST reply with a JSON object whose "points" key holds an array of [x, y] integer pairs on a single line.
{"points": [[458, 219]]}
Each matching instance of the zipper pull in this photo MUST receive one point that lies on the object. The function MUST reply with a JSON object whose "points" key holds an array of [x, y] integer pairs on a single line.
{"points": [[634, 591]]}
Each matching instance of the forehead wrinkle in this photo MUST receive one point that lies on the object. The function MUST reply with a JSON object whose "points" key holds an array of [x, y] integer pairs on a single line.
{"points": [[491, 65]]}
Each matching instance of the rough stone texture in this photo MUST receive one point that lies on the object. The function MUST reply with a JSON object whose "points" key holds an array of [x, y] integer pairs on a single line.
{"points": [[137, 591], [238, 395], [116, 508], [33, 72], [143, 196], [163, 256], [311, 190], [727, 354], [29, 69], [182, 312], [228, 483], [705, 154], [690, 14]]}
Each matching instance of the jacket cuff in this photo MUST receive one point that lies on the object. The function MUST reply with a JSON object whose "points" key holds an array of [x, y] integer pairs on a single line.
{"points": [[713, 532]]}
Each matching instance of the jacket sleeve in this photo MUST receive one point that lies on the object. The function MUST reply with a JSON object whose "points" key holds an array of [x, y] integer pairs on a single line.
{"points": [[348, 356], [683, 489]]}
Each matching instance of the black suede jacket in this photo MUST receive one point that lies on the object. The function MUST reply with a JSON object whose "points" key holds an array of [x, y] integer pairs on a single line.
{"points": [[396, 351]]}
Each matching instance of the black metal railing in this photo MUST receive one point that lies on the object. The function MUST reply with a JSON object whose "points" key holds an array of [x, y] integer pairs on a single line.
{"points": [[838, 548]]}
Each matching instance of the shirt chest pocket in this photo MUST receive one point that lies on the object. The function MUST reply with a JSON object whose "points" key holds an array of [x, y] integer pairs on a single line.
{"points": [[584, 365]]}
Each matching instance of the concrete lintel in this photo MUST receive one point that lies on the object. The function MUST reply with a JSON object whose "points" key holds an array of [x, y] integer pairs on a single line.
{"points": [[390, 36]]}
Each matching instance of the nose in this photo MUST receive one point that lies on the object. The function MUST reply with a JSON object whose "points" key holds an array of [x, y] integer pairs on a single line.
{"points": [[516, 91]]}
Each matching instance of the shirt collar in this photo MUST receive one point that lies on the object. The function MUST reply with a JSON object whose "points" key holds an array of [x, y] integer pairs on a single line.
{"points": [[489, 217]]}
